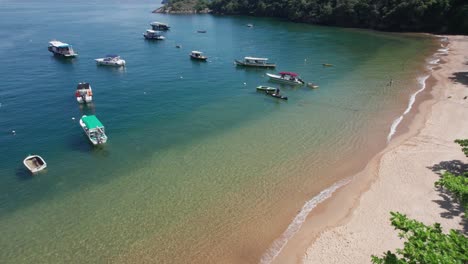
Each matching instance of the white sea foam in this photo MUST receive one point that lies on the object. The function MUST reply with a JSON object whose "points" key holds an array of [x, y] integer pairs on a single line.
{"points": [[434, 61], [296, 224], [422, 83]]}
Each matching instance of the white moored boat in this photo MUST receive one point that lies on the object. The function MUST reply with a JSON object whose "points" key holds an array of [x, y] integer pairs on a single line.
{"points": [[61, 49], [34, 163], [84, 93], [159, 26], [255, 62], [287, 78], [198, 55], [111, 60], [94, 129], [153, 34]]}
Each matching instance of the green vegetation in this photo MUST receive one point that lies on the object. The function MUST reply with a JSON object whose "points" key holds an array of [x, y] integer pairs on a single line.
{"points": [[457, 184], [425, 244], [449, 16], [184, 6]]}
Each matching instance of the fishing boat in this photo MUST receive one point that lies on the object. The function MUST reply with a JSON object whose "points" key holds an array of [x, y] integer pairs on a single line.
{"points": [[286, 77], [61, 49], [198, 55], [255, 62], [153, 34], [159, 26], [34, 163], [279, 96], [84, 93], [94, 129], [266, 88], [111, 60]]}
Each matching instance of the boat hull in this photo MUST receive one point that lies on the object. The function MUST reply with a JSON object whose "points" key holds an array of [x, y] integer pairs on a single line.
{"points": [[87, 99], [120, 63], [153, 37], [266, 89], [198, 58], [244, 64], [278, 79]]}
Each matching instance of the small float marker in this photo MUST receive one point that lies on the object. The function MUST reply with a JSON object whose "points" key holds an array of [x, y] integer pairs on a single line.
{"points": [[73, 118]]}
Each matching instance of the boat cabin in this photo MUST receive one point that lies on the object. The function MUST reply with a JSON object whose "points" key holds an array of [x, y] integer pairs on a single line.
{"points": [[254, 60], [159, 26], [84, 93]]}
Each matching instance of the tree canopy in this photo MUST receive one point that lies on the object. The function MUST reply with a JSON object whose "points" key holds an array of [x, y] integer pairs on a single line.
{"points": [[447, 16]]}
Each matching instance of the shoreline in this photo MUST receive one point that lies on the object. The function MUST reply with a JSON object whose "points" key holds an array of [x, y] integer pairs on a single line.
{"points": [[319, 240]]}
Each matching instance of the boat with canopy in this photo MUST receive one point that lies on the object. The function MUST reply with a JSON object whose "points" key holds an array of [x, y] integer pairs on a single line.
{"points": [[198, 55], [287, 78], [61, 49], [153, 34], [255, 62], [94, 129], [159, 26]]}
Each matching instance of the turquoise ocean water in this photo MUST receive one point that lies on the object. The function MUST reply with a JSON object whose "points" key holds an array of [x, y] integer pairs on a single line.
{"points": [[199, 167]]}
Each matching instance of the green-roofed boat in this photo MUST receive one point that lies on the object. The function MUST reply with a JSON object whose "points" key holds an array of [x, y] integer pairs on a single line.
{"points": [[94, 129]]}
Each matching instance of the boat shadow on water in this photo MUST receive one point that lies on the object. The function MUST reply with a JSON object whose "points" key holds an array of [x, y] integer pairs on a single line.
{"points": [[82, 144], [23, 174]]}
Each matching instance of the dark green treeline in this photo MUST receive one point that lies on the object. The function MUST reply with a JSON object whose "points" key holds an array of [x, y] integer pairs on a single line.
{"points": [[438, 16]]}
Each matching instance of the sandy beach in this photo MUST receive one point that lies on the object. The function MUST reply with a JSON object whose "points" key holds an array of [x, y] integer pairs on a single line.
{"points": [[401, 178]]}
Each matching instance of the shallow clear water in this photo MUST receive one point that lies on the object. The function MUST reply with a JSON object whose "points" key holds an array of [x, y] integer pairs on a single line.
{"points": [[198, 166]]}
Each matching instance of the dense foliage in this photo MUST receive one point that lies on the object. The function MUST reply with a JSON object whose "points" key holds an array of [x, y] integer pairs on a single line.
{"points": [[397, 15], [425, 244], [185, 5], [457, 184]]}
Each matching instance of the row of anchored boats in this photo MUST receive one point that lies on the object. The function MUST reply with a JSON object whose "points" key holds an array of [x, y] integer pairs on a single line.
{"points": [[93, 127]]}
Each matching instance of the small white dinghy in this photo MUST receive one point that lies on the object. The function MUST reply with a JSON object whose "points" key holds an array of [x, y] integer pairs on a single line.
{"points": [[34, 163]]}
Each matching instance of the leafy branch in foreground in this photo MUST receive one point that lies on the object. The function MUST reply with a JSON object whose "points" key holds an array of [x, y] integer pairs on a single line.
{"points": [[425, 244], [464, 144], [457, 184]]}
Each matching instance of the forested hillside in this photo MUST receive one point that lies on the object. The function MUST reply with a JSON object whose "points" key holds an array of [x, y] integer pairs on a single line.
{"points": [[440, 16]]}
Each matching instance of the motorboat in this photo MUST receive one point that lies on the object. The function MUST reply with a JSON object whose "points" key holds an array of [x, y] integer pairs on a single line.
{"points": [[34, 163], [111, 60], [286, 77], [153, 34], [159, 26], [312, 85], [327, 65], [255, 62], [94, 129], [61, 49], [249, 25], [266, 88], [84, 93], [198, 55]]}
